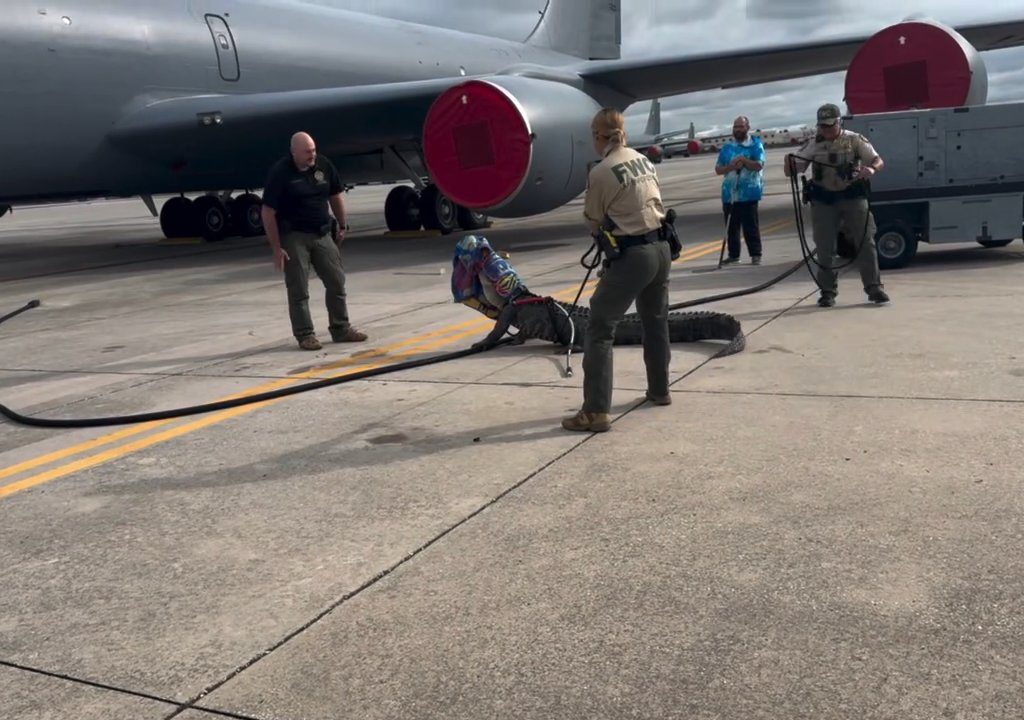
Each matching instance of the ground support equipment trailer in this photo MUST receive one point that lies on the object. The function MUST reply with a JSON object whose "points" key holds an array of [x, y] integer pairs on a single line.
{"points": [[951, 175]]}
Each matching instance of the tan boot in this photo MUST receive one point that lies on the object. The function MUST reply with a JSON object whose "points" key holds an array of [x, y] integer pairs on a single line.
{"points": [[588, 422], [350, 335], [309, 342]]}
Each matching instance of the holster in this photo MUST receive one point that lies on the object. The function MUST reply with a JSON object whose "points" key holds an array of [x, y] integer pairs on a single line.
{"points": [[667, 232], [607, 243]]}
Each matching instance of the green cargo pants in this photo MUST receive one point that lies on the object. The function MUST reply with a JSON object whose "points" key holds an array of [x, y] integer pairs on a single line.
{"points": [[641, 274], [303, 250], [854, 218]]}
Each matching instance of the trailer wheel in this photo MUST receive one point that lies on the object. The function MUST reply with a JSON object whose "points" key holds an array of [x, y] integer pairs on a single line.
{"points": [[896, 245]]}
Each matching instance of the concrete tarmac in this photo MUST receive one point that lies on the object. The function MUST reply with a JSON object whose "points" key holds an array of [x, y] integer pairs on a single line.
{"points": [[829, 524]]}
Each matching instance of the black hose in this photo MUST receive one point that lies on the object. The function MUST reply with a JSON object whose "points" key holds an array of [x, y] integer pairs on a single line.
{"points": [[28, 306], [329, 382], [740, 293], [236, 402]]}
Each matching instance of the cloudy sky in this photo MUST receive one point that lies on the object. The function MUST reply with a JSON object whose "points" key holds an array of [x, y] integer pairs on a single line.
{"points": [[673, 27]]}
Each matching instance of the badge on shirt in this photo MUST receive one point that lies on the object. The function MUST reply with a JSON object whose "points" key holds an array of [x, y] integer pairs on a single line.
{"points": [[319, 176]]}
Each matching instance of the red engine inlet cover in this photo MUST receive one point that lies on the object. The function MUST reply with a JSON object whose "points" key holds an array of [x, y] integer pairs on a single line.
{"points": [[476, 143], [915, 64], [693, 147]]}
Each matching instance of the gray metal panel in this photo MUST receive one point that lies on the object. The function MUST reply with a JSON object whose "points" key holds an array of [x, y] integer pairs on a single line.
{"points": [[931, 149], [983, 145], [987, 217], [945, 147], [224, 46], [895, 139]]}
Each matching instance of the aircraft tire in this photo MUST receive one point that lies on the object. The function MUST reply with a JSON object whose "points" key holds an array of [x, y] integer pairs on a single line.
{"points": [[212, 221], [470, 219], [402, 209], [245, 215], [178, 218], [437, 211]]}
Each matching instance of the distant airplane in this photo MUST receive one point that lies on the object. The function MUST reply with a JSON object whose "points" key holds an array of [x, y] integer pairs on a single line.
{"points": [[141, 97], [657, 145], [685, 143]]}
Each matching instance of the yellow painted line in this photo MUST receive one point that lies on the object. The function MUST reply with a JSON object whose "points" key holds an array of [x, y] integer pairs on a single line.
{"points": [[97, 442], [75, 449], [181, 241], [776, 226], [705, 251], [170, 434], [698, 250], [440, 337], [88, 445]]}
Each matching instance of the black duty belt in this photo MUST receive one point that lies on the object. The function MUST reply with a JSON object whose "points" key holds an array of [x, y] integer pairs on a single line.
{"points": [[817, 193], [627, 241], [313, 229]]}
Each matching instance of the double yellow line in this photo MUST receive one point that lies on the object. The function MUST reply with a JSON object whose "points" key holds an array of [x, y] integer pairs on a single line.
{"points": [[365, 361]]}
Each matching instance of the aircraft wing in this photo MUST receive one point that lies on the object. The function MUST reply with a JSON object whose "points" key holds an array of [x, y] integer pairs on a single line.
{"points": [[645, 79], [348, 119]]}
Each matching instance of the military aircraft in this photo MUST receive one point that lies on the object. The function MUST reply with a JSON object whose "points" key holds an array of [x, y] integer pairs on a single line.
{"points": [[651, 142], [126, 98]]}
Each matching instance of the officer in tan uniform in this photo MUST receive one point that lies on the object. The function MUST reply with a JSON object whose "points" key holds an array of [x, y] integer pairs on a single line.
{"points": [[624, 195], [843, 164]]}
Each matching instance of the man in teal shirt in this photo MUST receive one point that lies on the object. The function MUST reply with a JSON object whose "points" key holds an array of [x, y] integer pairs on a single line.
{"points": [[741, 162]]}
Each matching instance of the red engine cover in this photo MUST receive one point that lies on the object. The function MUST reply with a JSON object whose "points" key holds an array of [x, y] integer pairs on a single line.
{"points": [[915, 64], [476, 143], [693, 147]]}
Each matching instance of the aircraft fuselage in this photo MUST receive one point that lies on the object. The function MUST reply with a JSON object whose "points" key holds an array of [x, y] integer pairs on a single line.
{"points": [[69, 71]]}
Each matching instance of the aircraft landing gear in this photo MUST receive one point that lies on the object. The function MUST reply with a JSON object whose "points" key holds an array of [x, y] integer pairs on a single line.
{"points": [[407, 210], [245, 215], [177, 218], [470, 219], [212, 217], [437, 211], [402, 209]]}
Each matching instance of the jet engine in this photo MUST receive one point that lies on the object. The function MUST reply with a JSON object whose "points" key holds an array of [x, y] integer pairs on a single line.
{"points": [[915, 64], [510, 146]]}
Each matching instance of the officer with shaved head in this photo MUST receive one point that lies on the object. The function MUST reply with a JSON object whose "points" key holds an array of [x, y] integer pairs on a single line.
{"points": [[299, 190]]}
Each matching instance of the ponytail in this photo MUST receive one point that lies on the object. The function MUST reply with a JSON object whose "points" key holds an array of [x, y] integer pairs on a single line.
{"points": [[610, 124]]}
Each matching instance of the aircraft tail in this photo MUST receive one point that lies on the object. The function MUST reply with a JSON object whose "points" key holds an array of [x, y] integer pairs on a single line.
{"points": [[653, 128], [588, 29]]}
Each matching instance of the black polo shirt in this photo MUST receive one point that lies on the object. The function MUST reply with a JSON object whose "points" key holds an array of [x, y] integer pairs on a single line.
{"points": [[300, 196]]}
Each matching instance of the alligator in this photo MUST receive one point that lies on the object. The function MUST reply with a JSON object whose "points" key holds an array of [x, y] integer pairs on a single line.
{"points": [[485, 281], [544, 318]]}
